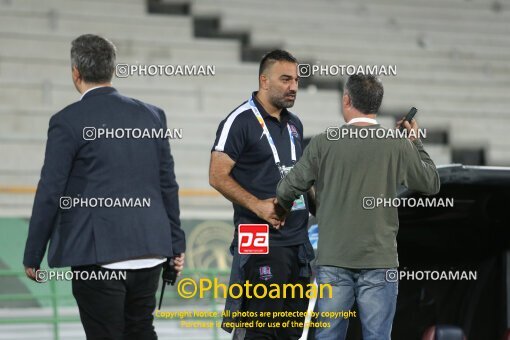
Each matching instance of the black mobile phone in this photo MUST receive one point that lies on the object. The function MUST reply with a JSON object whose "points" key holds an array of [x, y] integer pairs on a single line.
{"points": [[409, 117]]}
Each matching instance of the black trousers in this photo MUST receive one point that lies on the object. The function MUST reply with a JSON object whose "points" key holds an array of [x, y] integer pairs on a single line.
{"points": [[280, 266], [118, 309]]}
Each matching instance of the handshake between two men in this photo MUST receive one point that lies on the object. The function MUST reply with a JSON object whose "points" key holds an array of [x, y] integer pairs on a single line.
{"points": [[272, 212]]}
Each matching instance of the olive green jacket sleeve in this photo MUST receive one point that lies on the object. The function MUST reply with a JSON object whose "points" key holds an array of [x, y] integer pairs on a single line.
{"points": [[419, 173], [301, 177]]}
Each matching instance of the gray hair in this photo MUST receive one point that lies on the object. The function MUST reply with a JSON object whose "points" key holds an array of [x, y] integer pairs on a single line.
{"points": [[94, 57], [366, 92]]}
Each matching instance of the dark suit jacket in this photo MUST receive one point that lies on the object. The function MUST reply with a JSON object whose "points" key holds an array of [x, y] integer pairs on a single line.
{"points": [[105, 168]]}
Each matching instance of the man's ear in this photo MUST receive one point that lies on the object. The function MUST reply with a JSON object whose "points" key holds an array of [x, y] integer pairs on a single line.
{"points": [[76, 74], [263, 81], [346, 100]]}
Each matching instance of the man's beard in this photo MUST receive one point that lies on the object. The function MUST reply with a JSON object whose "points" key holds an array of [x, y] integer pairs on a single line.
{"points": [[282, 102]]}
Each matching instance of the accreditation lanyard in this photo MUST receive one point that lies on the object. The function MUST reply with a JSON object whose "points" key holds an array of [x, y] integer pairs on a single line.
{"points": [[257, 114], [362, 120]]}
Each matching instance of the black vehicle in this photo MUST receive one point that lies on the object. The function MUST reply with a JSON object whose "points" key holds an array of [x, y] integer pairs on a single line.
{"points": [[472, 236], [464, 250]]}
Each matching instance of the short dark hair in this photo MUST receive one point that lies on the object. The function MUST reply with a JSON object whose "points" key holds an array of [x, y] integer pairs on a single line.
{"points": [[94, 57], [276, 55], [366, 92]]}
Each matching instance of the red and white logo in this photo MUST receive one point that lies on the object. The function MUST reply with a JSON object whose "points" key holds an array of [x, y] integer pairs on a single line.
{"points": [[253, 238]]}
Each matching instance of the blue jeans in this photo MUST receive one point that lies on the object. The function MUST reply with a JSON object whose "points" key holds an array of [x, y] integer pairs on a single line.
{"points": [[376, 297]]}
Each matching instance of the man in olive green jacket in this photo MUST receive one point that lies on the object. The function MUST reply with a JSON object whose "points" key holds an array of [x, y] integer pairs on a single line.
{"points": [[353, 171]]}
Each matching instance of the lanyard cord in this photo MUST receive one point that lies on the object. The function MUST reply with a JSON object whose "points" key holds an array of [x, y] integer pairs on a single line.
{"points": [[257, 114]]}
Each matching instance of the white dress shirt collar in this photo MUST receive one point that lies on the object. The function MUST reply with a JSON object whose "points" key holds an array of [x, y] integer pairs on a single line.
{"points": [[92, 88]]}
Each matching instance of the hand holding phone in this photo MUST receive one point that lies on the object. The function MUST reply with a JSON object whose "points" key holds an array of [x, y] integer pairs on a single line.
{"points": [[409, 117]]}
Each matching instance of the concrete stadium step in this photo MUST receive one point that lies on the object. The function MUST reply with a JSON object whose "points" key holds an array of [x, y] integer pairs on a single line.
{"points": [[36, 126], [33, 153], [417, 45], [384, 40], [454, 94], [412, 51], [212, 100], [479, 112], [452, 4], [438, 7], [85, 7], [439, 10], [476, 129], [469, 131], [63, 95], [340, 55], [174, 117], [499, 157], [452, 65], [38, 21], [438, 101], [452, 77], [191, 171], [434, 104], [51, 46], [251, 12], [440, 154], [226, 76]]}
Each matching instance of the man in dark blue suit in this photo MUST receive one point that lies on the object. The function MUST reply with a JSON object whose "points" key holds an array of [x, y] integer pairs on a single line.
{"points": [[107, 200]]}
